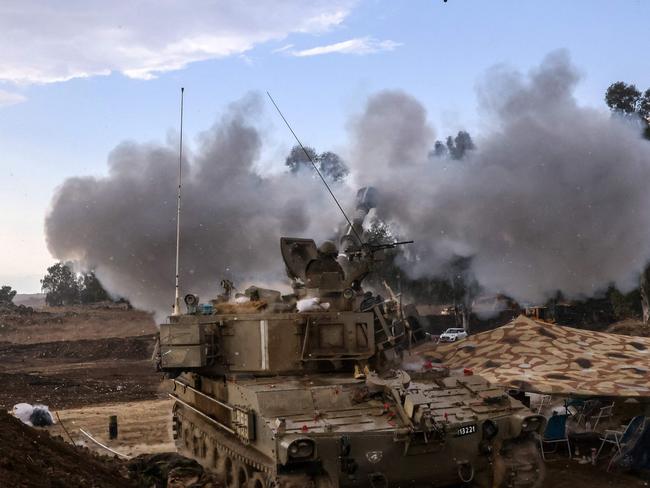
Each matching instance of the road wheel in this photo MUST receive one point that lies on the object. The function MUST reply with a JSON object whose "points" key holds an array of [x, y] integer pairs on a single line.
{"points": [[237, 474], [323, 482], [222, 463], [258, 480], [227, 467], [219, 463]]}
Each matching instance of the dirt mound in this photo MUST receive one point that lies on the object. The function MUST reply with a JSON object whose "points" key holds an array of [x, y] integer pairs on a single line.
{"points": [[135, 348], [32, 458], [21, 314], [75, 373], [74, 388], [631, 327], [170, 470], [22, 325]]}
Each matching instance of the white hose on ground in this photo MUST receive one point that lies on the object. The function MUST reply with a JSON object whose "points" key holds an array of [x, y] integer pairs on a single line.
{"points": [[102, 445]]}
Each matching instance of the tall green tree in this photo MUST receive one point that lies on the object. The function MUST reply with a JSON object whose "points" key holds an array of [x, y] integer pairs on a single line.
{"points": [[644, 112], [622, 97], [60, 285], [330, 164], [7, 295], [454, 147], [297, 158], [627, 100], [91, 290], [63, 287]]}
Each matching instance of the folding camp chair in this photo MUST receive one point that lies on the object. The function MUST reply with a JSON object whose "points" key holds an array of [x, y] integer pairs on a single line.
{"points": [[544, 401], [554, 433], [621, 438], [603, 413], [585, 410], [574, 408]]}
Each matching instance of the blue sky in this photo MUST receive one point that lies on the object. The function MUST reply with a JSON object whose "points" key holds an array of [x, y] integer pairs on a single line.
{"points": [[76, 80]]}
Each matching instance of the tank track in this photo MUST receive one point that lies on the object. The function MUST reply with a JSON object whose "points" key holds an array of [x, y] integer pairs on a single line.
{"points": [[234, 465]]}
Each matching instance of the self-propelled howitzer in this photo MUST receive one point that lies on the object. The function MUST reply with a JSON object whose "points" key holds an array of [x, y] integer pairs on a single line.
{"points": [[319, 388]]}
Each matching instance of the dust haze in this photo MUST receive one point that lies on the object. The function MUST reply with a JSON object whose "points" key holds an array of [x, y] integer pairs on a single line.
{"points": [[554, 197]]}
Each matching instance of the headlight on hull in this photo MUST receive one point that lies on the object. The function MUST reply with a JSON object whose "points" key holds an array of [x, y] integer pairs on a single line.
{"points": [[524, 424], [533, 423], [301, 449], [297, 449], [490, 430]]}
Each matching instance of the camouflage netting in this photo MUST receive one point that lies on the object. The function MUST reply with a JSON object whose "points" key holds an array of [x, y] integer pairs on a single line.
{"points": [[551, 359]]}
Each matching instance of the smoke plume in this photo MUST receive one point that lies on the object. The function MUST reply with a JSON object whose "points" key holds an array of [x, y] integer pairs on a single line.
{"points": [[123, 225], [554, 197]]}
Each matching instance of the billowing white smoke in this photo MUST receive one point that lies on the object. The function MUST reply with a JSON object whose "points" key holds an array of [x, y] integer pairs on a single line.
{"points": [[555, 197], [123, 225]]}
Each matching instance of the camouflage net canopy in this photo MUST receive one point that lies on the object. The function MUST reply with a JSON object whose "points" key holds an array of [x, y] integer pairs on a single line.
{"points": [[545, 358]]}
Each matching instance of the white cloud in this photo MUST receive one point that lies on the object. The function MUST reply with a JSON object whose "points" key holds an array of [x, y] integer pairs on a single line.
{"points": [[282, 49], [9, 98], [359, 45], [47, 41]]}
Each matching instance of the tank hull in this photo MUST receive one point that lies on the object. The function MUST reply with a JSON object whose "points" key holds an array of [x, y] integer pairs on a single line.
{"points": [[358, 441]]}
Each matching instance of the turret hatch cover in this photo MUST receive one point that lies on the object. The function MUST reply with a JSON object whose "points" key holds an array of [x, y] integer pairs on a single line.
{"points": [[297, 253]]}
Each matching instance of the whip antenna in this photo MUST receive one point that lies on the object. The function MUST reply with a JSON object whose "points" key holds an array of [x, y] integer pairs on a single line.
{"points": [[311, 160], [177, 297]]}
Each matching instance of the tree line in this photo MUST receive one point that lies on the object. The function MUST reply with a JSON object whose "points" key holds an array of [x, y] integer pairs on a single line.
{"points": [[62, 286]]}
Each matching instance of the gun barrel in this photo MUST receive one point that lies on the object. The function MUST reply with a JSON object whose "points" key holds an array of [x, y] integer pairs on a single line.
{"points": [[390, 245], [399, 243]]}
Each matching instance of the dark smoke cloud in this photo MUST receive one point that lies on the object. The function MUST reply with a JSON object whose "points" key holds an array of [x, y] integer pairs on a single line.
{"points": [[123, 225], [554, 197], [390, 134]]}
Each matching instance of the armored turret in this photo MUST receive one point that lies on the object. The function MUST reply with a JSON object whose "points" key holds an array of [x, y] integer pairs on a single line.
{"points": [[328, 323]]}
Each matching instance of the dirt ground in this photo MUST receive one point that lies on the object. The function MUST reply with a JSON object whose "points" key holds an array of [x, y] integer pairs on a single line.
{"points": [[35, 458], [75, 356], [31, 458], [143, 427], [75, 322], [89, 363], [75, 373], [570, 474]]}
